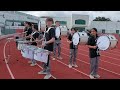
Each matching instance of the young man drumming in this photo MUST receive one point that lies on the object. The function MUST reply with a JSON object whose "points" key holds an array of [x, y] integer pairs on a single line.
{"points": [[49, 38]]}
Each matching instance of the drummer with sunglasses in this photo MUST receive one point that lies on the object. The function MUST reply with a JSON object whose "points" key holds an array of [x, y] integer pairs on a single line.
{"points": [[93, 54]]}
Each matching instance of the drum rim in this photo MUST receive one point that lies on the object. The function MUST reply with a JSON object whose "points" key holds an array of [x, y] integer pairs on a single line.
{"points": [[109, 43]]}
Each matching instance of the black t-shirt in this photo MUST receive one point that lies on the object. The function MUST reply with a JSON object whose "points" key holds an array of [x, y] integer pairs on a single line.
{"points": [[70, 39], [29, 31], [49, 35], [93, 52], [36, 35]]}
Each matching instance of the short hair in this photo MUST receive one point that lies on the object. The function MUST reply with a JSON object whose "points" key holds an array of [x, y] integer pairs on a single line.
{"points": [[35, 26], [28, 23], [50, 19], [74, 29], [94, 29], [57, 21]]}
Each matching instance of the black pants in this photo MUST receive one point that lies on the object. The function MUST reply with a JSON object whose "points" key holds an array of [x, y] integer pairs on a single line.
{"points": [[16, 41]]}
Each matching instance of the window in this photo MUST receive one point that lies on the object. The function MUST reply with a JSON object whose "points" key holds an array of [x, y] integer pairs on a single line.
{"points": [[63, 22], [80, 29], [80, 21], [103, 31], [117, 31], [9, 23], [17, 23]]}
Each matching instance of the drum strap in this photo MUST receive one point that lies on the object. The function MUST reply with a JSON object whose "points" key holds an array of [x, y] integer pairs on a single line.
{"points": [[32, 35], [45, 33]]}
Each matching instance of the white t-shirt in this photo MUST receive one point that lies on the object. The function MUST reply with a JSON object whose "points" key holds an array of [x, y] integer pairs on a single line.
{"points": [[57, 32]]}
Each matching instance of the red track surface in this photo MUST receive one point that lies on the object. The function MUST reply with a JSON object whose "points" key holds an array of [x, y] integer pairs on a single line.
{"points": [[108, 69]]}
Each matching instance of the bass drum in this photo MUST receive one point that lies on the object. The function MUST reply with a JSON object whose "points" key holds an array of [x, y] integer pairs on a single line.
{"points": [[113, 41], [107, 42], [83, 38]]}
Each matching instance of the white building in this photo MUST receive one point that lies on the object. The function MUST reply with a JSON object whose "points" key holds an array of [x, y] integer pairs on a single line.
{"points": [[106, 26], [10, 21], [75, 20]]}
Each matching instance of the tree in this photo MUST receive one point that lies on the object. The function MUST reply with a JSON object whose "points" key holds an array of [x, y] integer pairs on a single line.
{"points": [[101, 19], [118, 20]]}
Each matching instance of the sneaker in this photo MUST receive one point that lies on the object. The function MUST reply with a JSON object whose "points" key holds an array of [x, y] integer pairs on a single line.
{"points": [[48, 76], [70, 66], [53, 59], [91, 77], [97, 76], [75, 65], [29, 61], [42, 72], [60, 58], [33, 64]]}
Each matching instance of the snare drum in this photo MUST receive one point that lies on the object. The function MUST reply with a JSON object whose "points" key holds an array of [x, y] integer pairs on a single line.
{"points": [[83, 38], [21, 45], [106, 42], [28, 51], [41, 55]]}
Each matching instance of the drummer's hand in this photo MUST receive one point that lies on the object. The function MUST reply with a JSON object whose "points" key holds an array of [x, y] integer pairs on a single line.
{"points": [[94, 47], [43, 45], [37, 41], [69, 41]]}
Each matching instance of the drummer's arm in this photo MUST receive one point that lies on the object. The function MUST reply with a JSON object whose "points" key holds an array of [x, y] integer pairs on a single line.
{"points": [[69, 41], [94, 47], [37, 40], [28, 36], [50, 41]]}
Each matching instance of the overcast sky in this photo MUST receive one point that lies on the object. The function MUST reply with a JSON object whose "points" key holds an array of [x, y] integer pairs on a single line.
{"points": [[113, 15]]}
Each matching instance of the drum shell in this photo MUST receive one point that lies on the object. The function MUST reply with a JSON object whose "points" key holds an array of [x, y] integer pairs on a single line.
{"points": [[83, 38], [28, 52], [41, 55], [113, 41]]}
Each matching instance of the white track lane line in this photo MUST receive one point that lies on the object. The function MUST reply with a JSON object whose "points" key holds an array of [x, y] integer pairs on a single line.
{"points": [[10, 72], [73, 68], [101, 55], [104, 52], [42, 68], [99, 67]]}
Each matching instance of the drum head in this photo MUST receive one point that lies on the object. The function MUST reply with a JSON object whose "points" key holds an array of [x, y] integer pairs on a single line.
{"points": [[57, 32], [103, 42], [83, 34], [75, 39]]}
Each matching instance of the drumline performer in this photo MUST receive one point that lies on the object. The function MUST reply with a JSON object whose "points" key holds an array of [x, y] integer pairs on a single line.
{"points": [[57, 43], [28, 30], [93, 54], [73, 49], [34, 37], [49, 38]]}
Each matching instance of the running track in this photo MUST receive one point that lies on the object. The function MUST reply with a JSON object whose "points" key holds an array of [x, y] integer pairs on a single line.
{"points": [[108, 69]]}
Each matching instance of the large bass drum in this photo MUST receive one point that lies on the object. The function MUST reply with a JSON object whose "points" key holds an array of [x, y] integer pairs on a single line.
{"points": [[83, 38], [107, 42]]}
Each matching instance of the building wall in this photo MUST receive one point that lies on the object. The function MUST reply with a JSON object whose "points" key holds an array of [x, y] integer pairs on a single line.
{"points": [[108, 26], [15, 16], [82, 17]]}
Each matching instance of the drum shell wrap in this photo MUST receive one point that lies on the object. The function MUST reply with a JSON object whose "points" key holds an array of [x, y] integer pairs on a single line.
{"points": [[28, 52], [83, 38], [41, 55], [113, 41]]}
